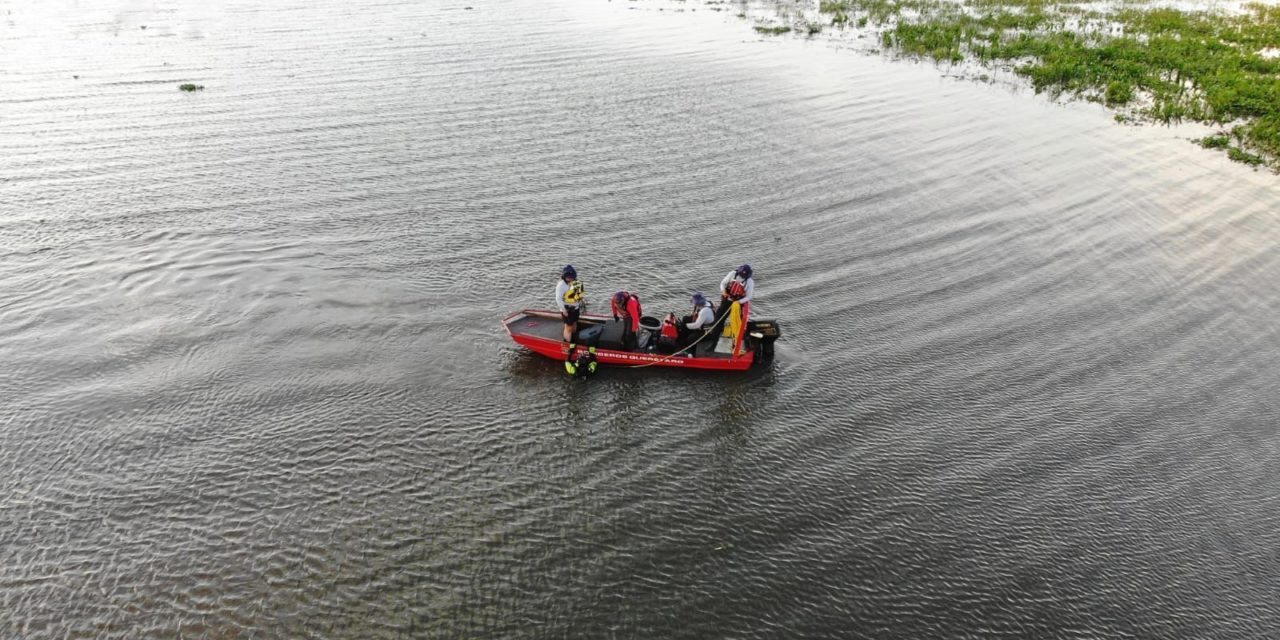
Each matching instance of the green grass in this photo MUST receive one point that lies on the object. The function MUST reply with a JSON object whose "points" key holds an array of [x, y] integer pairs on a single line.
{"points": [[1240, 155], [1150, 64], [1220, 141], [190, 87], [772, 31], [1118, 93]]}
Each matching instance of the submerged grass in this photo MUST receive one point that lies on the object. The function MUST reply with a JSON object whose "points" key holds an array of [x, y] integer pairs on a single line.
{"points": [[772, 30], [1240, 155], [1151, 64], [1215, 142]]}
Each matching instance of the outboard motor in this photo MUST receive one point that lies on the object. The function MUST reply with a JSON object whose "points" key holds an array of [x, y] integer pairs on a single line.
{"points": [[763, 334]]}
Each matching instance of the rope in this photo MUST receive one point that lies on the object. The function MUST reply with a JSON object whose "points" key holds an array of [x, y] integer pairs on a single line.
{"points": [[691, 345]]}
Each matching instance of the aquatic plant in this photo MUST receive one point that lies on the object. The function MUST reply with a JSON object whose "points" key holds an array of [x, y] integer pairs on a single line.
{"points": [[1154, 64], [772, 31], [1240, 155], [1220, 141], [1118, 93], [190, 87]]}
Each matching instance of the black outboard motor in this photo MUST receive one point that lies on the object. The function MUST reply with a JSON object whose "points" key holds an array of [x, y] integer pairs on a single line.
{"points": [[763, 334]]}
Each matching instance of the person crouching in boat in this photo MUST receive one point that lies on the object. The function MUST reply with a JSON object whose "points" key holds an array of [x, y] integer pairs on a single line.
{"points": [[626, 307], [695, 325], [570, 298]]}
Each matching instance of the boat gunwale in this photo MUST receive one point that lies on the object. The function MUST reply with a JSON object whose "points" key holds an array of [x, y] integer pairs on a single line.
{"points": [[557, 349]]}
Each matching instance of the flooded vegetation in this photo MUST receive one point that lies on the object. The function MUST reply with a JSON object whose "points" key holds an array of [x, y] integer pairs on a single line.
{"points": [[1149, 63], [188, 87]]}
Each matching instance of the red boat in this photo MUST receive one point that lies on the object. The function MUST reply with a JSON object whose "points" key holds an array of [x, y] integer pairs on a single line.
{"points": [[541, 331]]}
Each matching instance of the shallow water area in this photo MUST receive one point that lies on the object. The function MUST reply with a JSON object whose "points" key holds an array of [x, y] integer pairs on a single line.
{"points": [[255, 381]]}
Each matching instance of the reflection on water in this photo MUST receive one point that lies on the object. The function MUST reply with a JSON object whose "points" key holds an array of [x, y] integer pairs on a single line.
{"points": [[255, 381]]}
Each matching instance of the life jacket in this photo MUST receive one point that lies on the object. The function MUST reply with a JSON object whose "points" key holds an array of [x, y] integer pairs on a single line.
{"points": [[575, 293], [619, 309], [736, 289], [669, 329]]}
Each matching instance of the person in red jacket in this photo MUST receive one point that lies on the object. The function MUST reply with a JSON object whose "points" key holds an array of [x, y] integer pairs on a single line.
{"points": [[626, 307]]}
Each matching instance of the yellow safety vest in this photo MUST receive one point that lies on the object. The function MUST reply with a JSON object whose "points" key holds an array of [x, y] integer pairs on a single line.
{"points": [[575, 293]]}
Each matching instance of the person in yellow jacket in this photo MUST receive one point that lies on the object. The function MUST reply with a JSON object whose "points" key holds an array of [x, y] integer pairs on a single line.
{"points": [[579, 362], [571, 296]]}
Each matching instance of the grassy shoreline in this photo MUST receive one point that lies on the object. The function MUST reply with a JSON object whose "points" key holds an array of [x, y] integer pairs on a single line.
{"points": [[1148, 63]]}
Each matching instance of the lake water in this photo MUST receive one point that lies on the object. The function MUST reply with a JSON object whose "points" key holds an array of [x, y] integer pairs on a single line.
{"points": [[254, 383]]}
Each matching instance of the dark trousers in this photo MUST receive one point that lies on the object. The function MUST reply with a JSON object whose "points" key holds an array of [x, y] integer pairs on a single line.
{"points": [[725, 305], [667, 345], [689, 336]]}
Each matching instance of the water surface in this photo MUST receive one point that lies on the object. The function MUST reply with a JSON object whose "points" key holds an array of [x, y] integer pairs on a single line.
{"points": [[254, 381]]}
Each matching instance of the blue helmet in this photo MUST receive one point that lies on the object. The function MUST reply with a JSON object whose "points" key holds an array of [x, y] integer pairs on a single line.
{"points": [[699, 299], [744, 271], [569, 272]]}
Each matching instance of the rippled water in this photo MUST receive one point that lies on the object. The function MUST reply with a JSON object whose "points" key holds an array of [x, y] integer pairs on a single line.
{"points": [[254, 381]]}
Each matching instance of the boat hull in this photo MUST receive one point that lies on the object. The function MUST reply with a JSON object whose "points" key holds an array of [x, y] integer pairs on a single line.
{"points": [[521, 324]]}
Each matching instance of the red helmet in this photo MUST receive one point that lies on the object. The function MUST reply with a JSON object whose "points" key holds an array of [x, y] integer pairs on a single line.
{"points": [[735, 290]]}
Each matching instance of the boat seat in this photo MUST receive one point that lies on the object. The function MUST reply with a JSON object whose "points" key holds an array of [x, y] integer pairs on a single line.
{"points": [[590, 335], [611, 335], [704, 348]]}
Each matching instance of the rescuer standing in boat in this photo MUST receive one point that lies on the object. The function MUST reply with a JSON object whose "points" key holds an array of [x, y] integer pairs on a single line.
{"points": [[626, 307], [570, 297], [736, 287]]}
